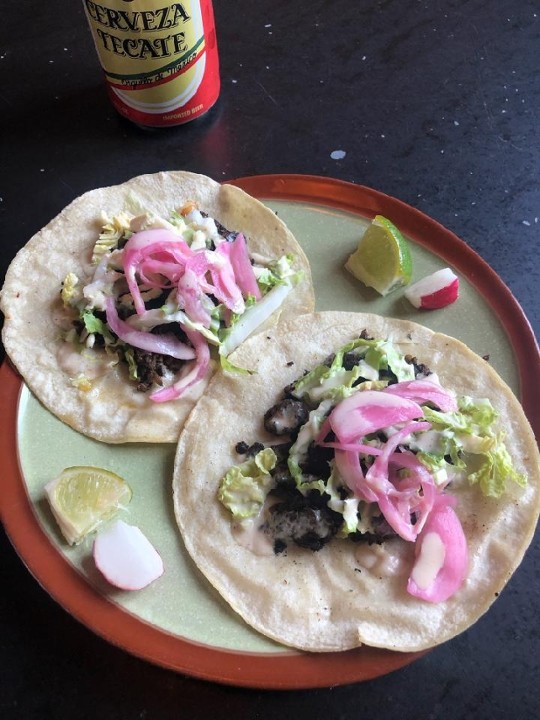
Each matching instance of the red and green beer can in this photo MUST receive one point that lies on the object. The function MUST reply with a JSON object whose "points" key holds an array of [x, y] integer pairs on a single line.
{"points": [[160, 58]]}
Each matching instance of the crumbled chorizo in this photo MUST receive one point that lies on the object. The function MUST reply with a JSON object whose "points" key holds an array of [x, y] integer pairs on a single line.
{"points": [[286, 417]]}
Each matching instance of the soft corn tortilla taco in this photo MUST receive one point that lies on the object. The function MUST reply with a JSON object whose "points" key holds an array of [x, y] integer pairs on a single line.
{"points": [[207, 265], [468, 521]]}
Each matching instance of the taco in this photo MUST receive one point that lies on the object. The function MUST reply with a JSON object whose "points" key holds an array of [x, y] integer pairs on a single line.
{"points": [[118, 311], [372, 482]]}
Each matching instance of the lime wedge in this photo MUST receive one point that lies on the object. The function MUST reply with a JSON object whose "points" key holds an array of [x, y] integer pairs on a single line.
{"points": [[81, 498], [383, 259]]}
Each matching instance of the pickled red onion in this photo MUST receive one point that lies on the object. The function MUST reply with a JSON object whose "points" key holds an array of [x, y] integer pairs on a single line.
{"points": [[154, 267], [189, 297], [237, 253], [421, 391], [161, 258], [414, 494], [224, 281], [349, 469], [164, 243], [379, 469], [401, 498], [445, 524], [163, 344], [369, 411], [197, 372], [352, 447], [397, 504]]}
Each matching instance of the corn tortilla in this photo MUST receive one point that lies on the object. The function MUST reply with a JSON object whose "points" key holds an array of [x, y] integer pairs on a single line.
{"points": [[111, 409], [328, 600]]}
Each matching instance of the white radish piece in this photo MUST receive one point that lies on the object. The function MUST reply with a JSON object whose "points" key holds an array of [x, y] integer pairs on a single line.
{"points": [[434, 291], [125, 557]]}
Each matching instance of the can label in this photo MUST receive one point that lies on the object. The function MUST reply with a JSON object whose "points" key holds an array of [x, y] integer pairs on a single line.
{"points": [[160, 58]]}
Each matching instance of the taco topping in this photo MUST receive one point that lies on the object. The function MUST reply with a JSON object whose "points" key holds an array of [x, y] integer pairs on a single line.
{"points": [[377, 447], [125, 557], [161, 293], [441, 554], [435, 291], [286, 417]]}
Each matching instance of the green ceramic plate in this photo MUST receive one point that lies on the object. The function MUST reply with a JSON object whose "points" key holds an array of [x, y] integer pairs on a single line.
{"points": [[179, 621]]}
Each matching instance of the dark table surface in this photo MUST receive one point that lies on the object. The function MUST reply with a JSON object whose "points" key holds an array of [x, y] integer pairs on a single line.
{"points": [[434, 102]]}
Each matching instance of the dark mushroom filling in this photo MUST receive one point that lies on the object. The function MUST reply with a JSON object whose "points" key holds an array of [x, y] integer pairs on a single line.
{"points": [[286, 417], [147, 368], [304, 518]]}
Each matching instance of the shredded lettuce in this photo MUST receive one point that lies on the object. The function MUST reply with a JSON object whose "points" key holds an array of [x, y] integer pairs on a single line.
{"points": [[277, 272], [106, 243], [308, 433], [473, 417], [94, 325], [461, 446], [334, 381], [230, 367], [348, 507], [437, 466], [253, 317], [113, 230], [397, 363], [69, 289], [469, 431], [81, 382], [244, 488], [179, 222], [132, 365], [326, 377], [496, 469]]}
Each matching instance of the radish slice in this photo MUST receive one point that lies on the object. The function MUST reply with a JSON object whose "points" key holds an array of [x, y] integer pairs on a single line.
{"points": [[125, 557], [434, 291]]}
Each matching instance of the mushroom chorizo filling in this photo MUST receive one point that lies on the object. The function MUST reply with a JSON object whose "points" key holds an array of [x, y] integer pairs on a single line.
{"points": [[163, 291], [371, 447], [306, 499]]}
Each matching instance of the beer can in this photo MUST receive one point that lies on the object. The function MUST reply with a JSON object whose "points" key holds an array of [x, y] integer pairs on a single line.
{"points": [[160, 58]]}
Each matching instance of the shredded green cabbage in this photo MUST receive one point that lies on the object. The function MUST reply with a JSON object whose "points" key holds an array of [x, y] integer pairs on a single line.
{"points": [[495, 471], [459, 444], [244, 488], [69, 289]]}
